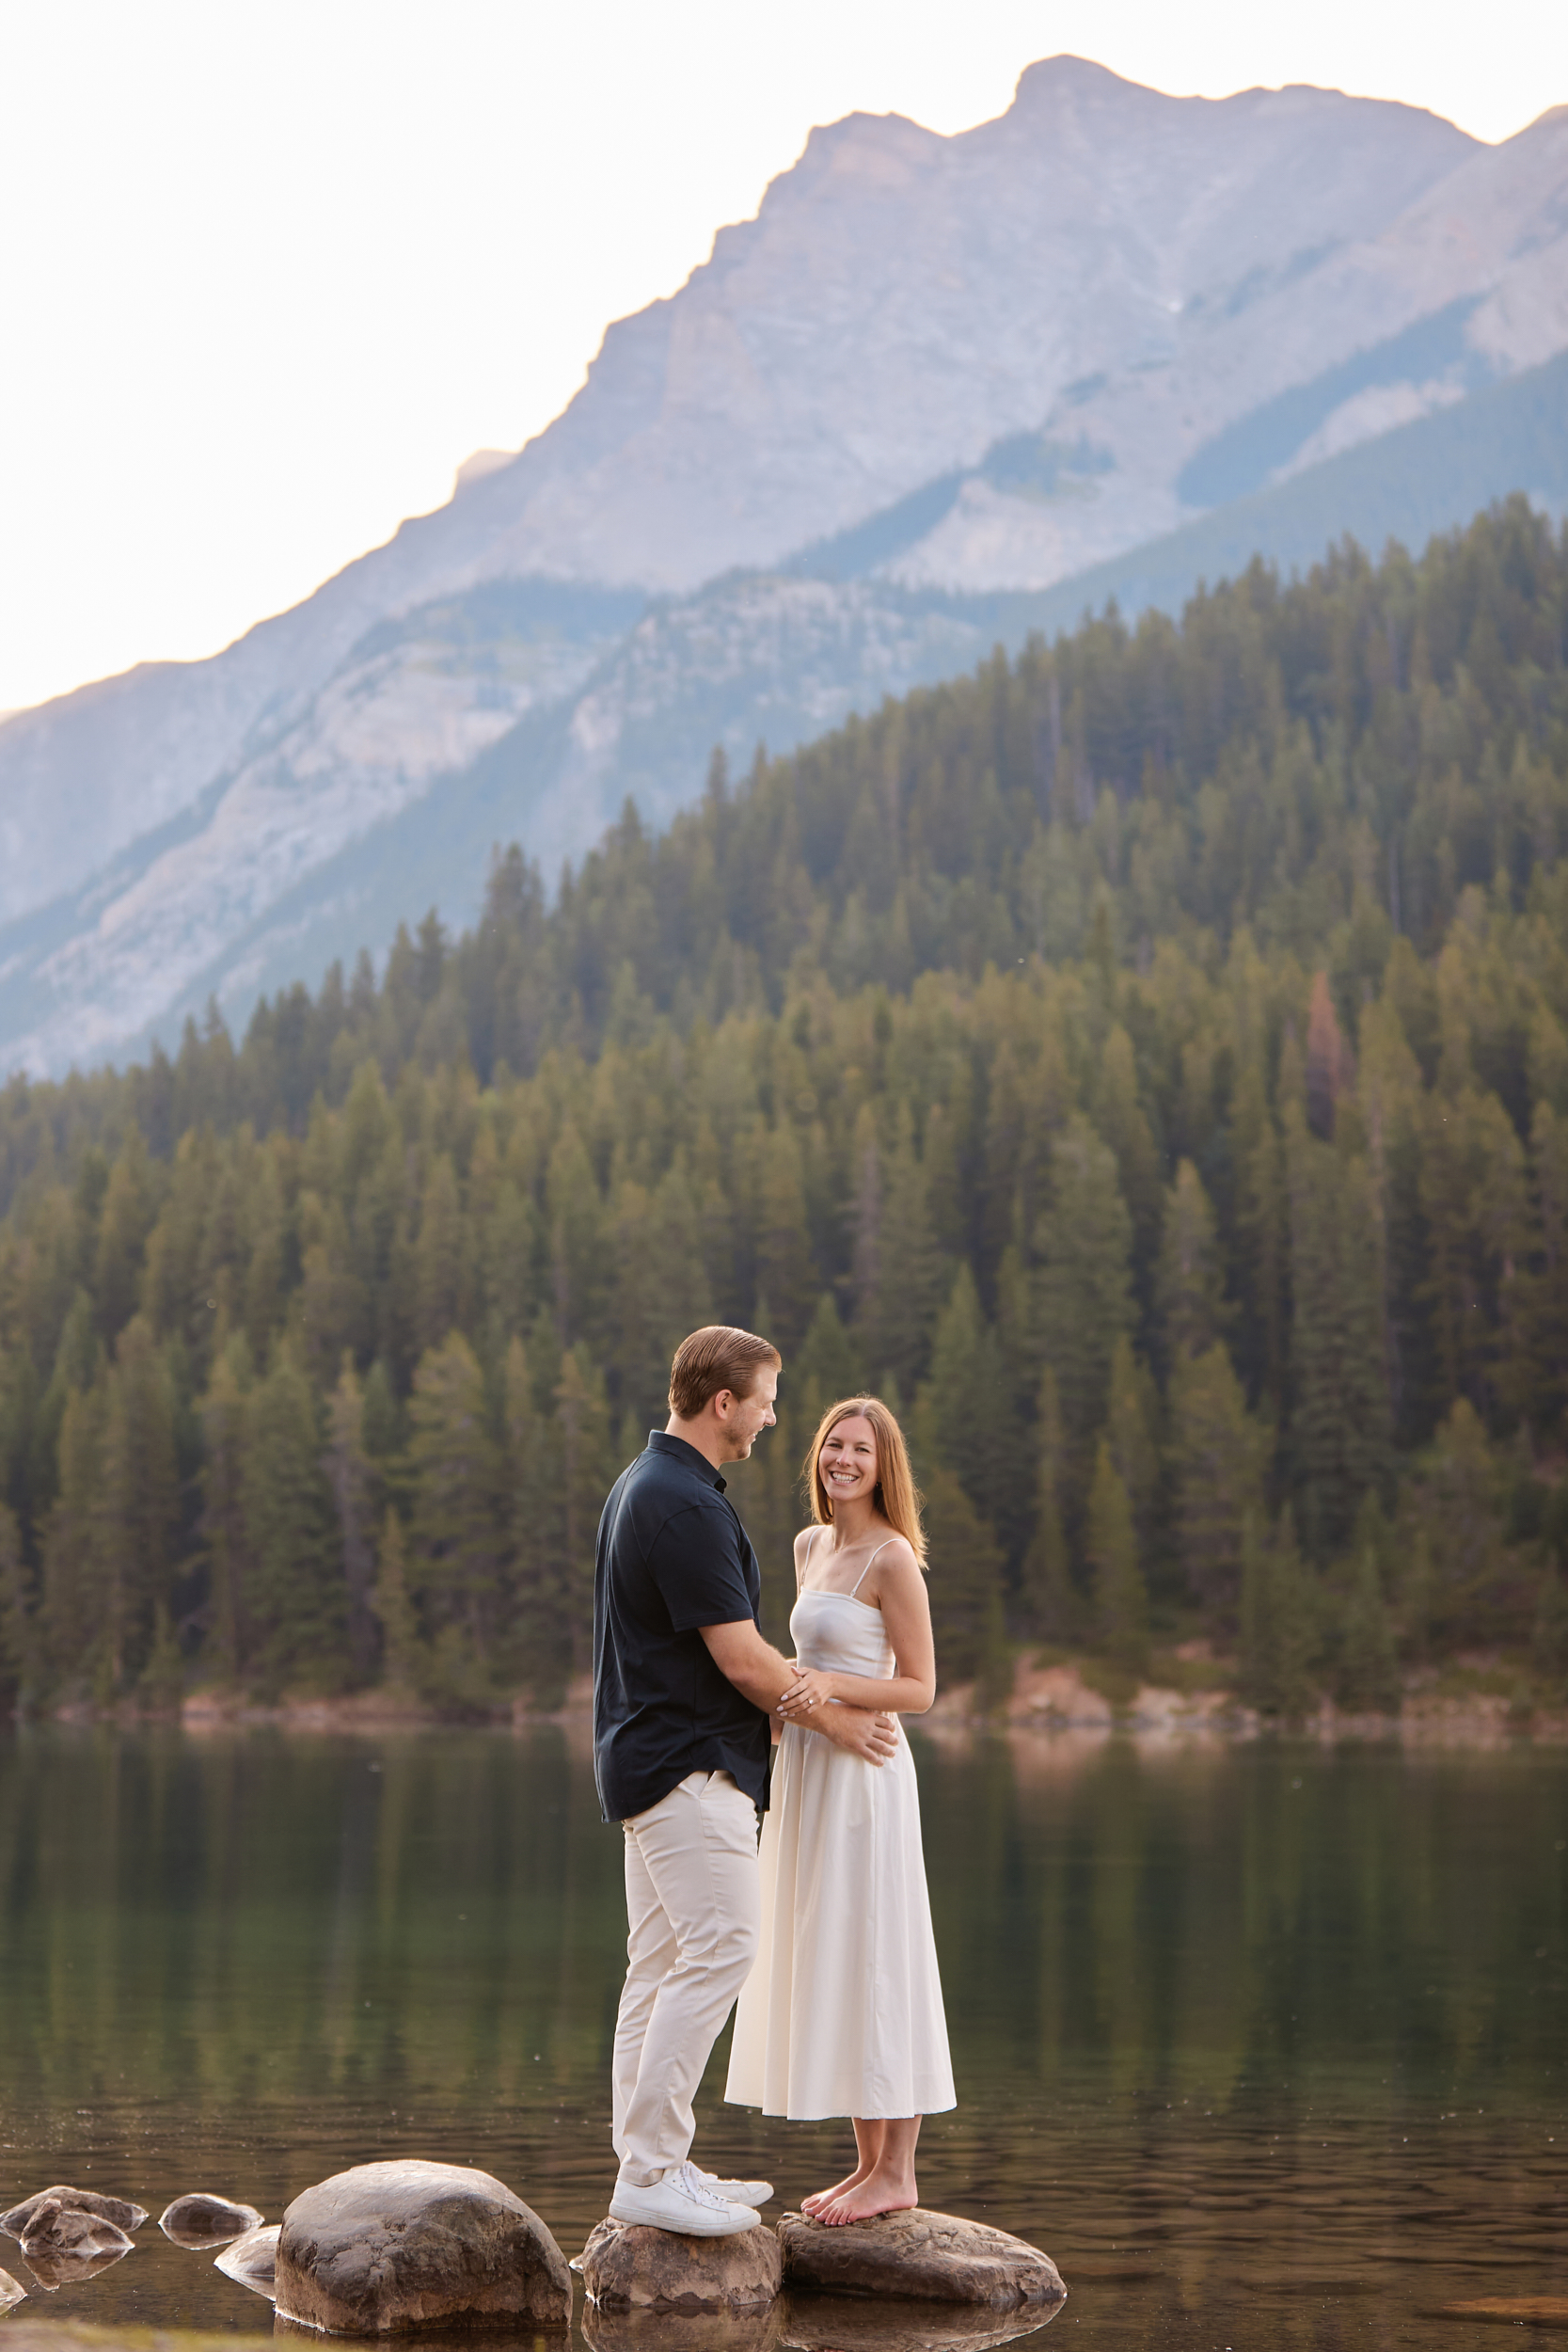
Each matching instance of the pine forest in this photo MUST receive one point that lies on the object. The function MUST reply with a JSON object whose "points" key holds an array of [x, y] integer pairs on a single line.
{"points": [[1143, 1062]]}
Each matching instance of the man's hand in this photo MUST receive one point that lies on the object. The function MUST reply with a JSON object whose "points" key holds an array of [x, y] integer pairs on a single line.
{"points": [[873, 1738]]}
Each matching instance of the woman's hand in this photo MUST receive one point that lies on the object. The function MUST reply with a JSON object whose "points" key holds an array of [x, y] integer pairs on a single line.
{"points": [[812, 1691]]}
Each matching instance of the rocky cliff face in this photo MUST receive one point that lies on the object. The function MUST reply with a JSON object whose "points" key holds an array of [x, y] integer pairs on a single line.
{"points": [[930, 370]]}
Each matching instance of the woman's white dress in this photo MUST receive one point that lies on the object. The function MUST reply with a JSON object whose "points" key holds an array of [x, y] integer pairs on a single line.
{"points": [[842, 2012]]}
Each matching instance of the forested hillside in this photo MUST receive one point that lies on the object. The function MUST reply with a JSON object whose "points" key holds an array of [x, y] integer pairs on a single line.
{"points": [[1145, 1063]]}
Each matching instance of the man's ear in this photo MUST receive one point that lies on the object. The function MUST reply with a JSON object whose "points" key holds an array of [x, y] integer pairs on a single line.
{"points": [[723, 1401]]}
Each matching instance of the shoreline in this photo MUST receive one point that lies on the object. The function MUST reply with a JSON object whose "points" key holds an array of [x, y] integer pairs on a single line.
{"points": [[1048, 1703]]}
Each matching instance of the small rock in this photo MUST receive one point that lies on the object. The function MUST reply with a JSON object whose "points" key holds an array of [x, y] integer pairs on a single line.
{"points": [[626, 2267], [10, 2292], [53, 2230], [252, 2260], [385, 2249], [929, 2256], [201, 2219], [116, 2209]]}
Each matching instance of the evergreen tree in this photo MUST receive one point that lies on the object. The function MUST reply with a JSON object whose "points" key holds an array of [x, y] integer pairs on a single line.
{"points": [[456, 1532], [971, 1413], [965, 1574], [405, 1659], [294, 1600], [1050, 1604], [351, 1479], [1368, 1678], [19, 1663], [224, 1526], [1120, 1595], [139, 1497], [1279, 1622], [1085, 1302], [1340, 1423], [1218, 1456], [1190, 1285], [588, 1471]]}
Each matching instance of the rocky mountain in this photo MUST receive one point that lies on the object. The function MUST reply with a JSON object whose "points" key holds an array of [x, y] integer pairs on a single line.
{"points": [[938, 391]]}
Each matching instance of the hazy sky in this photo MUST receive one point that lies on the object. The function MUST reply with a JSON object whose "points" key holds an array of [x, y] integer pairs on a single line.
{"points": [[269, 272]]}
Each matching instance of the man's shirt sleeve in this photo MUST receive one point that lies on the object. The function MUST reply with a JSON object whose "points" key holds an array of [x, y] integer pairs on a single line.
{"points": [[695, 1561]]}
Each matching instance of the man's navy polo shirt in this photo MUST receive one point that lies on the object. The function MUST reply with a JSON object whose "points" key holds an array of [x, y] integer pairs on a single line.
{"points": [[673, 1556]]}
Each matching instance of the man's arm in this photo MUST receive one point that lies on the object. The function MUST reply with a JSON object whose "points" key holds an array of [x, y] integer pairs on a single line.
{"points": [[761, 1674]]}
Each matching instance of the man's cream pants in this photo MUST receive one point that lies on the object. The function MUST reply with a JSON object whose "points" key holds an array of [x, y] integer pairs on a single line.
{"points": [[693, 1902]]}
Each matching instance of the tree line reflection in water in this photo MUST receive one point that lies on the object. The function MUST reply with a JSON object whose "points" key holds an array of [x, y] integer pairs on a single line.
{"points": [[1270, 2022]]}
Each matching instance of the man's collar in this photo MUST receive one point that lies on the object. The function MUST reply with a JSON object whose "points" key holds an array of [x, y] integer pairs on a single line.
{"points": [[662, 1441]]}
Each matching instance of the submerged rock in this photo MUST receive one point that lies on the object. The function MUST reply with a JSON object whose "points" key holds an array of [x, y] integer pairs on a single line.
{"points": [[927, 2256], [252, 2260], [118, 2210], [628, 2268], [10, 2291], [53, 2230], [389, 2248], [201, 2219], [53, 2271]]}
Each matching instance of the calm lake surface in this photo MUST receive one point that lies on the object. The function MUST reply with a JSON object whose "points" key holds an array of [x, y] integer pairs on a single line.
{"points": [[1263, 2044]]}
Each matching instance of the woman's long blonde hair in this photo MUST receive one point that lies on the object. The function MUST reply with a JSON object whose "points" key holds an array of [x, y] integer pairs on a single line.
{"points": [[898, 1497]]}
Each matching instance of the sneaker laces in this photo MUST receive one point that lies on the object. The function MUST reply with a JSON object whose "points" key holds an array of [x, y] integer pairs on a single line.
{"points": [[692, 2184]]}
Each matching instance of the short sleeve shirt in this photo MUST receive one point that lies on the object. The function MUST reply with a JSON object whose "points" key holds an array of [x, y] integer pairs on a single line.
{"points": [[673, 1556]]}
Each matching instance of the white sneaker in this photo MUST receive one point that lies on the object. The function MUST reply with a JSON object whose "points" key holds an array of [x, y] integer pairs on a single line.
{"points": [[682, 2202], [738, 2192]]}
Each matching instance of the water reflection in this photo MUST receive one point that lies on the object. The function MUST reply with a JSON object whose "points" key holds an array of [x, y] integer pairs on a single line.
{"points": [[1270, 2039]]}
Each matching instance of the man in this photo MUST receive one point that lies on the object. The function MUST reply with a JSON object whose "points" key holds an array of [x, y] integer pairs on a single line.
{"points": [[683, 1688]]}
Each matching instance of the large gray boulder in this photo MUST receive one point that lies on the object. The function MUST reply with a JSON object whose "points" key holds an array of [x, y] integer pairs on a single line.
{"points": [[251, 2260], [201, 2218], [928, 2256], [118, 2210], [386, 2249], [626, 2267]]}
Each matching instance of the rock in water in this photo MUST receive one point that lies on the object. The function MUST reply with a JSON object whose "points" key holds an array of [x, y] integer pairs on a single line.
{"points": [[252, 2260], [626, 2267], [53, 2230], [201, 2219], [116, 2209], [931, 2256], [385, 2249], [10, 2292]]}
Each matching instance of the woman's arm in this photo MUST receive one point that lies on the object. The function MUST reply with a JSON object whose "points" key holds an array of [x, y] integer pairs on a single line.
{"points": [[907, 1613]]}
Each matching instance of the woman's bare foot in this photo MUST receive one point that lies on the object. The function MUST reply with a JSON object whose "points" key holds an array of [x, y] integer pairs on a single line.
{"points": [[880, 2192], [840, 2188]]}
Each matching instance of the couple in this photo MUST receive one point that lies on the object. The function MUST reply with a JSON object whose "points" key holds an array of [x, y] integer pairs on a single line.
{"points": [[826, 1935]]}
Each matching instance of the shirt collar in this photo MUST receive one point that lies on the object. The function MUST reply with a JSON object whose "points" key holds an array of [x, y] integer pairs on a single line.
{"points": [[660, 1441]]}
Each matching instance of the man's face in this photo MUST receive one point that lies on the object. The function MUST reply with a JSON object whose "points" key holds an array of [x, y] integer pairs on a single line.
{"points": [[742, 1418]]}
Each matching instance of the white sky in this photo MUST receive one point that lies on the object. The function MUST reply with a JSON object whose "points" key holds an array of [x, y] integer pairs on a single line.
{"points": [[269, 269]]}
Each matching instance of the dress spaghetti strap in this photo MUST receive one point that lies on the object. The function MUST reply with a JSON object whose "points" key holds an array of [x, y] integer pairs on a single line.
{"points": [[866, 1570]]}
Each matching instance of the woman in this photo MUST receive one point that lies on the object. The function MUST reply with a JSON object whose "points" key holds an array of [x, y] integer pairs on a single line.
{"points": [[842, 2013]]}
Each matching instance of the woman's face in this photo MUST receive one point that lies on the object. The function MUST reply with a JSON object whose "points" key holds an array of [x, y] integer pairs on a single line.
{"points": [[847, 1462]]}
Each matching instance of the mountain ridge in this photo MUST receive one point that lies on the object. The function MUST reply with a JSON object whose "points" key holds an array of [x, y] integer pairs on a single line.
{"points": [[1027, 334]]}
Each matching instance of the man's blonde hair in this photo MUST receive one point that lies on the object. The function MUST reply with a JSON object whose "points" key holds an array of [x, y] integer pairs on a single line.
{"points": [[898, 1497], [720, 1356]]}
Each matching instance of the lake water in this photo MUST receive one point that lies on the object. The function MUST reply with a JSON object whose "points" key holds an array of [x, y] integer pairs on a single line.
{"points": [[1264, 2044]]}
